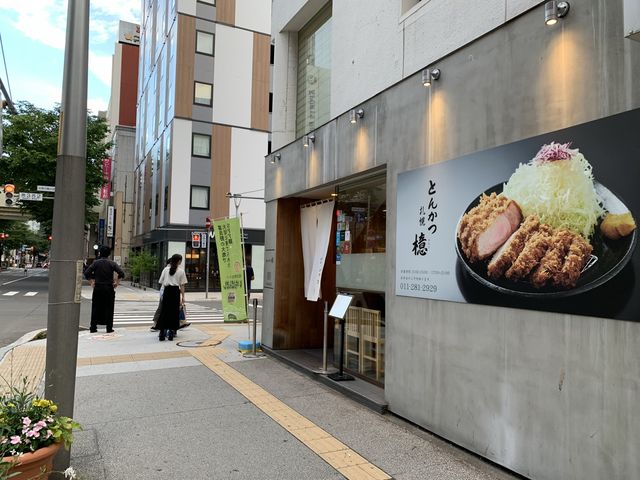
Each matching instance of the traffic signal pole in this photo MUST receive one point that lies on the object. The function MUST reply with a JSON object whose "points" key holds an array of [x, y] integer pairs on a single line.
{"points": [[65, 277]]}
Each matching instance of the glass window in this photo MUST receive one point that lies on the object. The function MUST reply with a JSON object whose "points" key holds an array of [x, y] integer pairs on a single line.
{"points": [[199, 197], [314, 72], [360, 245], [203, 93], [204, 42], [201, 145]]}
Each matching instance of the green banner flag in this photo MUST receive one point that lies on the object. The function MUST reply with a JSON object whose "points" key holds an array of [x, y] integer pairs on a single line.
{"points": [[231, 263]]}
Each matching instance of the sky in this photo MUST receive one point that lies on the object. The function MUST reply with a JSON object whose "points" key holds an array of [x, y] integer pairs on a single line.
{"points": [[33, 34]]}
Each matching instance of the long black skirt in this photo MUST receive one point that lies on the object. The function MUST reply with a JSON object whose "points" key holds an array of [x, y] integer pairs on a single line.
{"points": [[102, 304], [170, 314]]}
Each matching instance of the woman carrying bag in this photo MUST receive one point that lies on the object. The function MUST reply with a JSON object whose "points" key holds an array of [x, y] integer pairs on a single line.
{"points": [[173, 279]]}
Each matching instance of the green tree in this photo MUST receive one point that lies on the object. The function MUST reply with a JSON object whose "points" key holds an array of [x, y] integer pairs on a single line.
{"points": [[141, 262], [20, 234], [30, 150]]}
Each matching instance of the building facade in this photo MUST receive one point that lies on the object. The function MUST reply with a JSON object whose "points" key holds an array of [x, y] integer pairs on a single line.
{"points": [[115, 226], [203, 117], [546, 388]]}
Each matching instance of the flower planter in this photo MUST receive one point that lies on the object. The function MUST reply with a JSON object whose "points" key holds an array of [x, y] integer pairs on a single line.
{"points": [[30, 465]]}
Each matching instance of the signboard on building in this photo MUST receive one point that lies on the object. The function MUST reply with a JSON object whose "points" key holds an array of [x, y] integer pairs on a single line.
{"points": [[110, 221], [525, 225], [101, 227], [46, 188], [129, 33], [231, 263], [105, 191]]}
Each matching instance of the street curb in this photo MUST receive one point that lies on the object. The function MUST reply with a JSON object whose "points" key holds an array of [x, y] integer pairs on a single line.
{"points": [[26, 338]]}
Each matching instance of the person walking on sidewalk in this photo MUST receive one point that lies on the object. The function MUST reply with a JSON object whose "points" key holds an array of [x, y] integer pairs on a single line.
{"points": [[174, 280], [156, 316], [101, 274]]}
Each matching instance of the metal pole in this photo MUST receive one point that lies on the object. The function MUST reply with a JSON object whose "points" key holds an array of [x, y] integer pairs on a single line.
{"points": [[255, 324], [324, 341], [206, 280], [65, 278]]}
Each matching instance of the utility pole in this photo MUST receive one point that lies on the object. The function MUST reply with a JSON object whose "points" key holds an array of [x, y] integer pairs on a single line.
{"points": [[65, 278]]}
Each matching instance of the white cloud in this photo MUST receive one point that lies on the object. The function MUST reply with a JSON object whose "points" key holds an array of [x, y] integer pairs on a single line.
{"points": [[45, 21], [41, 93], [96, 105], [100, 66]]}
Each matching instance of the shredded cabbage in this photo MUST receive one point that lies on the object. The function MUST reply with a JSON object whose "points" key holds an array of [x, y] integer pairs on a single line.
{"points": [[560, 192]]}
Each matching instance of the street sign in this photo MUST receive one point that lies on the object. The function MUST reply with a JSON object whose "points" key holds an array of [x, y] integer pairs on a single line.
{"points": [[110, 220], [32, 197], [46, 188]]}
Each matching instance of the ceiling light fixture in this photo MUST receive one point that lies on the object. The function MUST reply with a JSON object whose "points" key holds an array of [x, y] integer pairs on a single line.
{"points": [[307, 139], [554, 10], [354, 115], [429, 75]]}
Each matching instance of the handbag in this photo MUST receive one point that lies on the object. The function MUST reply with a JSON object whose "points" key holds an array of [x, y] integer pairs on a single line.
{"points": [[183, 314]]}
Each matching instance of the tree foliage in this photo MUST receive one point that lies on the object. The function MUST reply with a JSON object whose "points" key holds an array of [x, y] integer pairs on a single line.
{"points": [[30, 150], [20, 234], [141, 262]]}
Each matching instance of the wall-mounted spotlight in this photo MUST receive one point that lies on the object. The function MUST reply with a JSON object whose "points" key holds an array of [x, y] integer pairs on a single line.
{"points": [[429, 75], [554, 10], [354, 115], [307, 139], [275, 158]]}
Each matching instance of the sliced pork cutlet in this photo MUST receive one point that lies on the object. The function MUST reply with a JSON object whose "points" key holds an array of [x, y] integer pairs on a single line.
{"points": [[534, 250], [474, 220], [509, 251], [552, 262], [577, 257], [486, 227]]}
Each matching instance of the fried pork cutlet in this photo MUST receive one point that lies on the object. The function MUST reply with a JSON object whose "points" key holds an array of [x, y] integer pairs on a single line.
{"points": [[577, 257], [534, 250], [487, 226], [509, 251], [553, 260]]}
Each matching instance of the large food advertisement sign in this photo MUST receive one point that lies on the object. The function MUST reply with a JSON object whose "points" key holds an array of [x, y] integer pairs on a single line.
{"points": [[547, 223]]}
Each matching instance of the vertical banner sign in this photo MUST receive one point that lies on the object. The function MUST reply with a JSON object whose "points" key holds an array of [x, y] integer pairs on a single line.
{"points": [[105, 191], [101, 226], [110, 220], [231, 263]]}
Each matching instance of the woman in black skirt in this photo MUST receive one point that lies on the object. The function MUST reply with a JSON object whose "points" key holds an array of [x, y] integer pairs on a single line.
{"points": [[173, 279]]}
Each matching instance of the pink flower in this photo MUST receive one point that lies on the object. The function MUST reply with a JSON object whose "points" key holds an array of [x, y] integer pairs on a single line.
{"points": [[33, 433], [41, 424], [15, 440], [26, 421]]}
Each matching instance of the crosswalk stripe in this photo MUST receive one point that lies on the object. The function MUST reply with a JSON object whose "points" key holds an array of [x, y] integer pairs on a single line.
{"points": [[9, 294], [220, 320], [30, 294]]}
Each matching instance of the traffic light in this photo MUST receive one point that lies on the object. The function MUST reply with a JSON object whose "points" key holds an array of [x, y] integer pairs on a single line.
{"points": [[50, 237], [195, 240], [9, 195]]}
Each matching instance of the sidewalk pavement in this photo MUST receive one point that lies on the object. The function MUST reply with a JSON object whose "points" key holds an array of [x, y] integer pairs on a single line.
{"points": [[190, 410]]}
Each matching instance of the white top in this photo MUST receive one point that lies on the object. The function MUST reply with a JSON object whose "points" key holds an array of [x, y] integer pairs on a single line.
{"points": [[177, 279]]}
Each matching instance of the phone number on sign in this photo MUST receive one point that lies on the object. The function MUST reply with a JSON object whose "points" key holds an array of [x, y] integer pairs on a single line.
{"points": [[418, 287]]}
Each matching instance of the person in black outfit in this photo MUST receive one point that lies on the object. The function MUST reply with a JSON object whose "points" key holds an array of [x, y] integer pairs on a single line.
{"points": [[250, 276], [100, 273], [174, 280]]}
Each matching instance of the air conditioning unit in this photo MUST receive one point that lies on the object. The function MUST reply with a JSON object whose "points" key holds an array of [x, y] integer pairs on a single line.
{"points": [[632, 19]]}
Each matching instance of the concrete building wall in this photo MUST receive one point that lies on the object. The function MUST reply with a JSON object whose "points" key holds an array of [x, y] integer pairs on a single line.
{"points": [[375, 44], [548, 395]]}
